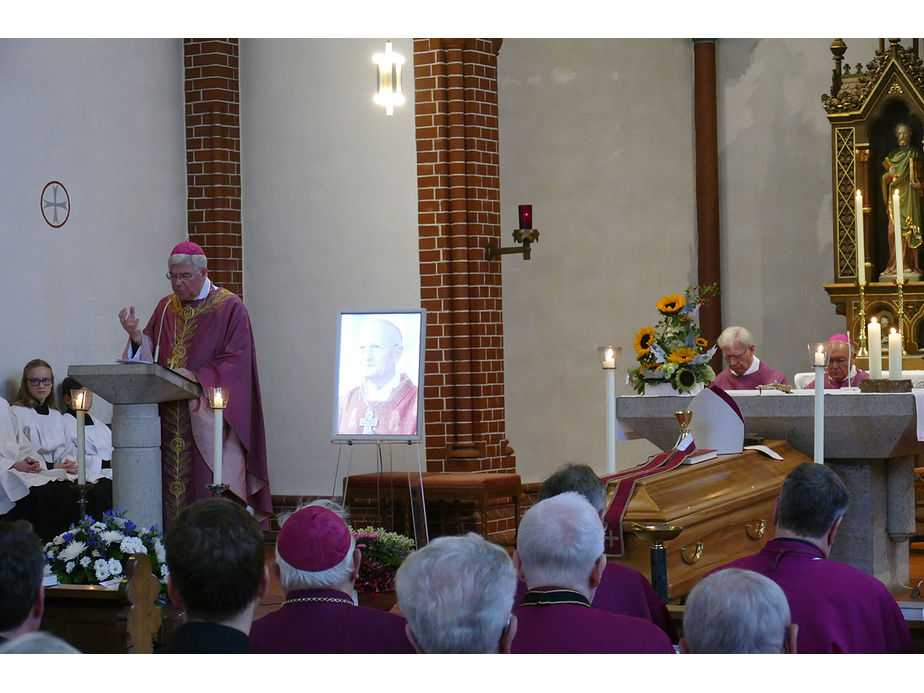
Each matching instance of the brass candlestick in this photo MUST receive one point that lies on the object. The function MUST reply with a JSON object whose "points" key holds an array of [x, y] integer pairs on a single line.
{"points": [[656, 535], [862, 351]]}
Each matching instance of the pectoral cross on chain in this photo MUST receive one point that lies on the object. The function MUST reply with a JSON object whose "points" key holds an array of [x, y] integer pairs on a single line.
{"points": [[368, 422]]}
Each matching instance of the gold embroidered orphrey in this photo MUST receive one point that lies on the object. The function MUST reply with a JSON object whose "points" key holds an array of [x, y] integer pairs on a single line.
{"points": [[175, 422]]}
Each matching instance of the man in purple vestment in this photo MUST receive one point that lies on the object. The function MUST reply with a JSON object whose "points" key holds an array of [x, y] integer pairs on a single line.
{"points": [[736, 611], [745, 371], [622, 590], [385, 402], [203, 332], [841, 371], [457, 593], [560, 556], [317, 563], [838, 608]]}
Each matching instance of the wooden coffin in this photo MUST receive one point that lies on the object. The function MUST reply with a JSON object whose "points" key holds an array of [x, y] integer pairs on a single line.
{"points": [[724, 507]]}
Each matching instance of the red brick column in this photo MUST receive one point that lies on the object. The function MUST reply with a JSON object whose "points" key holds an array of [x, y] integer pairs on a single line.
{"points": [[213, 156], [458, 214]]}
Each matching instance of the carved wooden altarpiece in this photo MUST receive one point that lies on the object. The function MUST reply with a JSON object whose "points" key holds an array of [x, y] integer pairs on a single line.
{"points": [[864, 107]]}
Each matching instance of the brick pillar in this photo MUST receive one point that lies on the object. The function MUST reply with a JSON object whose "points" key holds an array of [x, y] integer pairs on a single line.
{"points": [[458, 214], [213, 156]]}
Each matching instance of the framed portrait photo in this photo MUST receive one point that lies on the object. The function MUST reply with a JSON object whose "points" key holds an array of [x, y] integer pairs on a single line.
{"points": [[380, 361]]}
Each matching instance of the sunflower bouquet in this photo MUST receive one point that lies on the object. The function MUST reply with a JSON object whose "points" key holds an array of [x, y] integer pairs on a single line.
{"points": [[674, 351]]}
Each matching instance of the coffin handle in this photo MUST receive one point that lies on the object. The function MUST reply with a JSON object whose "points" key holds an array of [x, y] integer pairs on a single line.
{"points": [[756, 529], [697, 554]]}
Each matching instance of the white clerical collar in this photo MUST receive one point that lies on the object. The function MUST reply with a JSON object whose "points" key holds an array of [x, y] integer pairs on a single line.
{"points": [[755, 364], [205, 290], [380, 394]]}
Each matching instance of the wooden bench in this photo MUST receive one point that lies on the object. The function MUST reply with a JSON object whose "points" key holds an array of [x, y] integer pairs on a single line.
{"points": [[97, 620], [440, 488]]}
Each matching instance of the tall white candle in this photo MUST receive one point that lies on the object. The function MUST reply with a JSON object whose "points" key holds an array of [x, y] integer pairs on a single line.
{"points": [[81, 447], [216, 460], [897, 223], [611, 420], [895, 355], [819, 410], [874, 337], [861, 253]]}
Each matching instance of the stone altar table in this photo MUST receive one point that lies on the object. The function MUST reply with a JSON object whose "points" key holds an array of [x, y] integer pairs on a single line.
{"points": [[134, 390], [870, 441]]}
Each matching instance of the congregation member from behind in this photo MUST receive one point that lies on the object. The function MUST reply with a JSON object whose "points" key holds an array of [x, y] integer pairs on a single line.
{"points": [[622, 590], [839, 608], [22, 596], [737, 611], [744, 371], [218, 575], [457, 595], [317, 563], [560, 556]]}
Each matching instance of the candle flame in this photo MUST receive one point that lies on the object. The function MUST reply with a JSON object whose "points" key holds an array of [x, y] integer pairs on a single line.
{"points": [[891, 330], [873, 321]]}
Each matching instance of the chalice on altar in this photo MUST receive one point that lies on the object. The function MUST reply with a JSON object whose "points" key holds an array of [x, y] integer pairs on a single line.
{"points": [[683, 418]]}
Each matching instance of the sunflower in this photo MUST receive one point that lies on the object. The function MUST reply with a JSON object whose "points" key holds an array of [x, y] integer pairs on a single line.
{"points": [[681, 355], [702, 342], [643, 339], [671, 303]]}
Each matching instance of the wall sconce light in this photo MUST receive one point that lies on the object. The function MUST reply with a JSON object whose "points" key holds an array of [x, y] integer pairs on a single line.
{"points": [[388, 75], [526, 234]]}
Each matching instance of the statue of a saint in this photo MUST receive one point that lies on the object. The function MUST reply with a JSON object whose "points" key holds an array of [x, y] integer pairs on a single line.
{"points": [[904, 169]]}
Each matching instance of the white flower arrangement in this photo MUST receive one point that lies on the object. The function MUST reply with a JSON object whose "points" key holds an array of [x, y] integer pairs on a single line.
{"points": [[91, 552]]}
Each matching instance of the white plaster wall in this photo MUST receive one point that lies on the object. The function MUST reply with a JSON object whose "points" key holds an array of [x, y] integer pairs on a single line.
{"points": [[597, 135], [330, 224], [105, 118]]}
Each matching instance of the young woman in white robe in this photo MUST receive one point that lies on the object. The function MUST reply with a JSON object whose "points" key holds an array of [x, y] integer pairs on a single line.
{"points": [[52, 504]]}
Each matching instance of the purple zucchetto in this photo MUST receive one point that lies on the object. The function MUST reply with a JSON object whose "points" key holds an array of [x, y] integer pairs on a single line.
{"points": [[313, 539], [187, 248]]}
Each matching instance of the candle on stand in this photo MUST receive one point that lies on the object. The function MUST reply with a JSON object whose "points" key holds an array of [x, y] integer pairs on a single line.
{"points": [[895, 355], [861, 253], [609, 358], [819, 352], [218, 404], [820, 356], [874, 337], [897, 225], [81, 447]]}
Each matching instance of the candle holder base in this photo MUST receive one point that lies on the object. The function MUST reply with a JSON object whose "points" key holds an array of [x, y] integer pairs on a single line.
{"points": [[217, 489], [885, 385], [82, 490]]}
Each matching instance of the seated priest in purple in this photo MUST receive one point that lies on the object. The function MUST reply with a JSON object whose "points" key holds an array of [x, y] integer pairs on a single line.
{"points": [[203, 332], [838, 608], [457, 595], [745, 371], [560, 556], [841, 371], [317, 563], [622, 590]]}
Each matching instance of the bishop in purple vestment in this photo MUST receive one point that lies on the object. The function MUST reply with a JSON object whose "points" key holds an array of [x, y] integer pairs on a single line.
{"points": [[317, 562], [841, 371], [203, 332], [745, 371], [838, 608]]}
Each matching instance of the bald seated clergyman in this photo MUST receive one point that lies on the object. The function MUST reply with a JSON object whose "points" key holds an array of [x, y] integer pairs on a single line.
{"points": [[839, 608], [317, 562], [457, 596], [737, 612], [385, 402], [622, 590], [745, 371], [560, 556]]}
